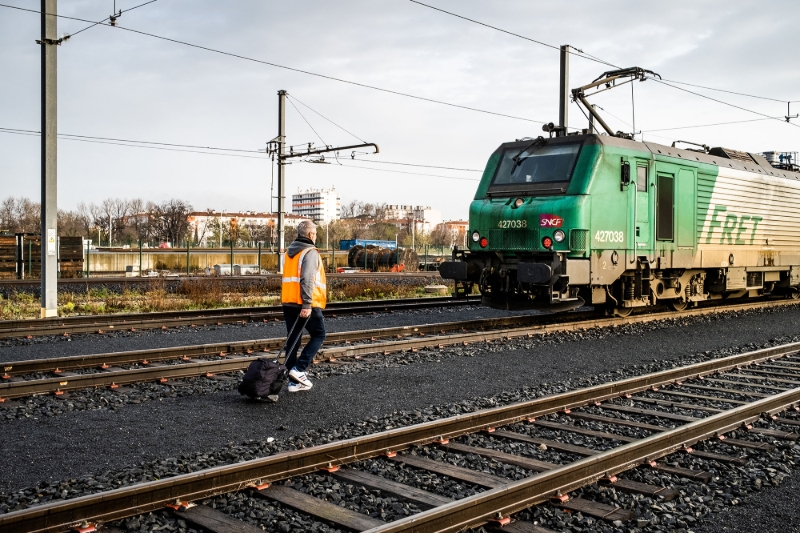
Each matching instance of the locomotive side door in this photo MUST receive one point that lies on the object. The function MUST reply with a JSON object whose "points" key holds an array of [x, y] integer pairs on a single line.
{"points": [[642, 227]]}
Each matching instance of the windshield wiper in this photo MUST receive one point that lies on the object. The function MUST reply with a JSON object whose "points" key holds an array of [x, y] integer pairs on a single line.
{"points": [[539, 141]]}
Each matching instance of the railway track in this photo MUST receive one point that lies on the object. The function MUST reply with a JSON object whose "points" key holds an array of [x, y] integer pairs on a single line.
{"points": [[133, 321], [140, 281], [20, 379], [669, 411]]}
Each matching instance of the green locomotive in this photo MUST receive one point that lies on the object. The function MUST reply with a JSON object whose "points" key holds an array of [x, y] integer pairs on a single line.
{"points": [[609, 221]]}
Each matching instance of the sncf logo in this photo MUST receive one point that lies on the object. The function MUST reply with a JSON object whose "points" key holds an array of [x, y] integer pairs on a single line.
{"points": [[550, 221]]}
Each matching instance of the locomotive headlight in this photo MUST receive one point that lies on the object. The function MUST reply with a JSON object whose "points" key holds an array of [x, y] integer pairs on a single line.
{"points": [[559, 235], [518, 202], [476, 236]]}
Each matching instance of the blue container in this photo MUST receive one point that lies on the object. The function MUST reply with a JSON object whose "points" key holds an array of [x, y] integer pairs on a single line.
{"points": [[347, 244]]}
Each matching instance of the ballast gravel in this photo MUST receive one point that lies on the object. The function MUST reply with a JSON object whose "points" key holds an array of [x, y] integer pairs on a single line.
{"points": [[80, 452], [18, 349], [136, 393]]}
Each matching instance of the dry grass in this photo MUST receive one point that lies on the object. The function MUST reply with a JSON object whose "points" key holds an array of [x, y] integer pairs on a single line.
{"points": [[208, 293], [373, 291]]}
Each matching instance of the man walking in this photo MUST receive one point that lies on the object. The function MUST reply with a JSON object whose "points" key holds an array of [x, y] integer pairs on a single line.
{"points": [[303, 294]]}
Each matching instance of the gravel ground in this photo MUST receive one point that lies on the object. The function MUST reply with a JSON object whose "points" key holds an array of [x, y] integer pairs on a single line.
{"points": [[74, 452]]}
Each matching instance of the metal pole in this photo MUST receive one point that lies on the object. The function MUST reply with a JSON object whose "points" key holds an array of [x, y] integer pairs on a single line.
{"points": [[563, 94], [187, 257], [140, 258], [49, 204], [281, 174], [259, 258], [231, 255]]}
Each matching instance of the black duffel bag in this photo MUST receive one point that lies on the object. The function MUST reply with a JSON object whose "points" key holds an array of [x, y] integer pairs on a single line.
{"points": [[265, 378]]}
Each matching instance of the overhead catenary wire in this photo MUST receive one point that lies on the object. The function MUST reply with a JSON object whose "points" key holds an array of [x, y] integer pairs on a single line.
{"points": [[109, 18], [415, 165], [573, 51], [399, 171], [309, 124], [66, 135], [139, 145], [326, 118], [399, 93], [292, 69], [726, 103], [175, 147], [580, 53], [734, 92], [714, 124]]}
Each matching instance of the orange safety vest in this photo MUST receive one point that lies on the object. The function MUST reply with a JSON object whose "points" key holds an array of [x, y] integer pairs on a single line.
{"points": [[292, 273]]}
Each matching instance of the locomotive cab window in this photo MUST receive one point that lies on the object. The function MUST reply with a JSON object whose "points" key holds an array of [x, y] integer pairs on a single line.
{"points": [[641, 179], [665, 208], [538, 170]]}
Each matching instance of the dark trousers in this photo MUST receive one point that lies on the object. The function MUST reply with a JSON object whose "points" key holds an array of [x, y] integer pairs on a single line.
{"points": [[316, 329]]}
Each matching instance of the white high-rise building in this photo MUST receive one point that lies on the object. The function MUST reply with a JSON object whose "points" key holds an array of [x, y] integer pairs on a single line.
{"points": [[320, 205]]}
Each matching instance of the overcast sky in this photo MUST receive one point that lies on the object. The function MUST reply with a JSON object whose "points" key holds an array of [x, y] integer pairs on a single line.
{"points": [[118, 84]]}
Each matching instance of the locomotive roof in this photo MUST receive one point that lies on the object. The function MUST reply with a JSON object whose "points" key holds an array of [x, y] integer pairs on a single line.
{"points": [[719, 157]]}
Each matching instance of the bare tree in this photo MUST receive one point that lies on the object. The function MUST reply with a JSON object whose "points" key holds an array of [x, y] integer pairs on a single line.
{"points": [[258, 232], [169, 220], [351, 209], [100, 222], [85, 218], [70, 224], [138, 220], [28, 215], [8, 214], [442, 236]]}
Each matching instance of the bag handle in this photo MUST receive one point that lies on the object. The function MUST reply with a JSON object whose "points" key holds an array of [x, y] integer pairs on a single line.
{"points": [[297, 340]]}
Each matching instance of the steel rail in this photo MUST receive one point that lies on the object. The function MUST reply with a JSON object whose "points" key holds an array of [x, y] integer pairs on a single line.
{"points": [[150, 496], [483, 507], [199, 350], [189, 313], [83, 324], [559, 323], [23, 388], [18, 389], [147, 320]]}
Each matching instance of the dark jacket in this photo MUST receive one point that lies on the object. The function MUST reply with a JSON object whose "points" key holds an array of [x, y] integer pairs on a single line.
{"points": [[308, 269]]}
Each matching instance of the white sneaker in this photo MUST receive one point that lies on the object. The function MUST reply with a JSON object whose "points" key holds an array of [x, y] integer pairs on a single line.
{"points": [[295, 376], [297, 387]]}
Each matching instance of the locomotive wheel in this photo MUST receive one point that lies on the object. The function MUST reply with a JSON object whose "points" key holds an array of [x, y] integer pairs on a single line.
{"points": [[678, 305], [622, 312]]}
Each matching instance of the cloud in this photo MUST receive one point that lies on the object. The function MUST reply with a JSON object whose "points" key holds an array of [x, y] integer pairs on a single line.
{"points": [[118, 84]]}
